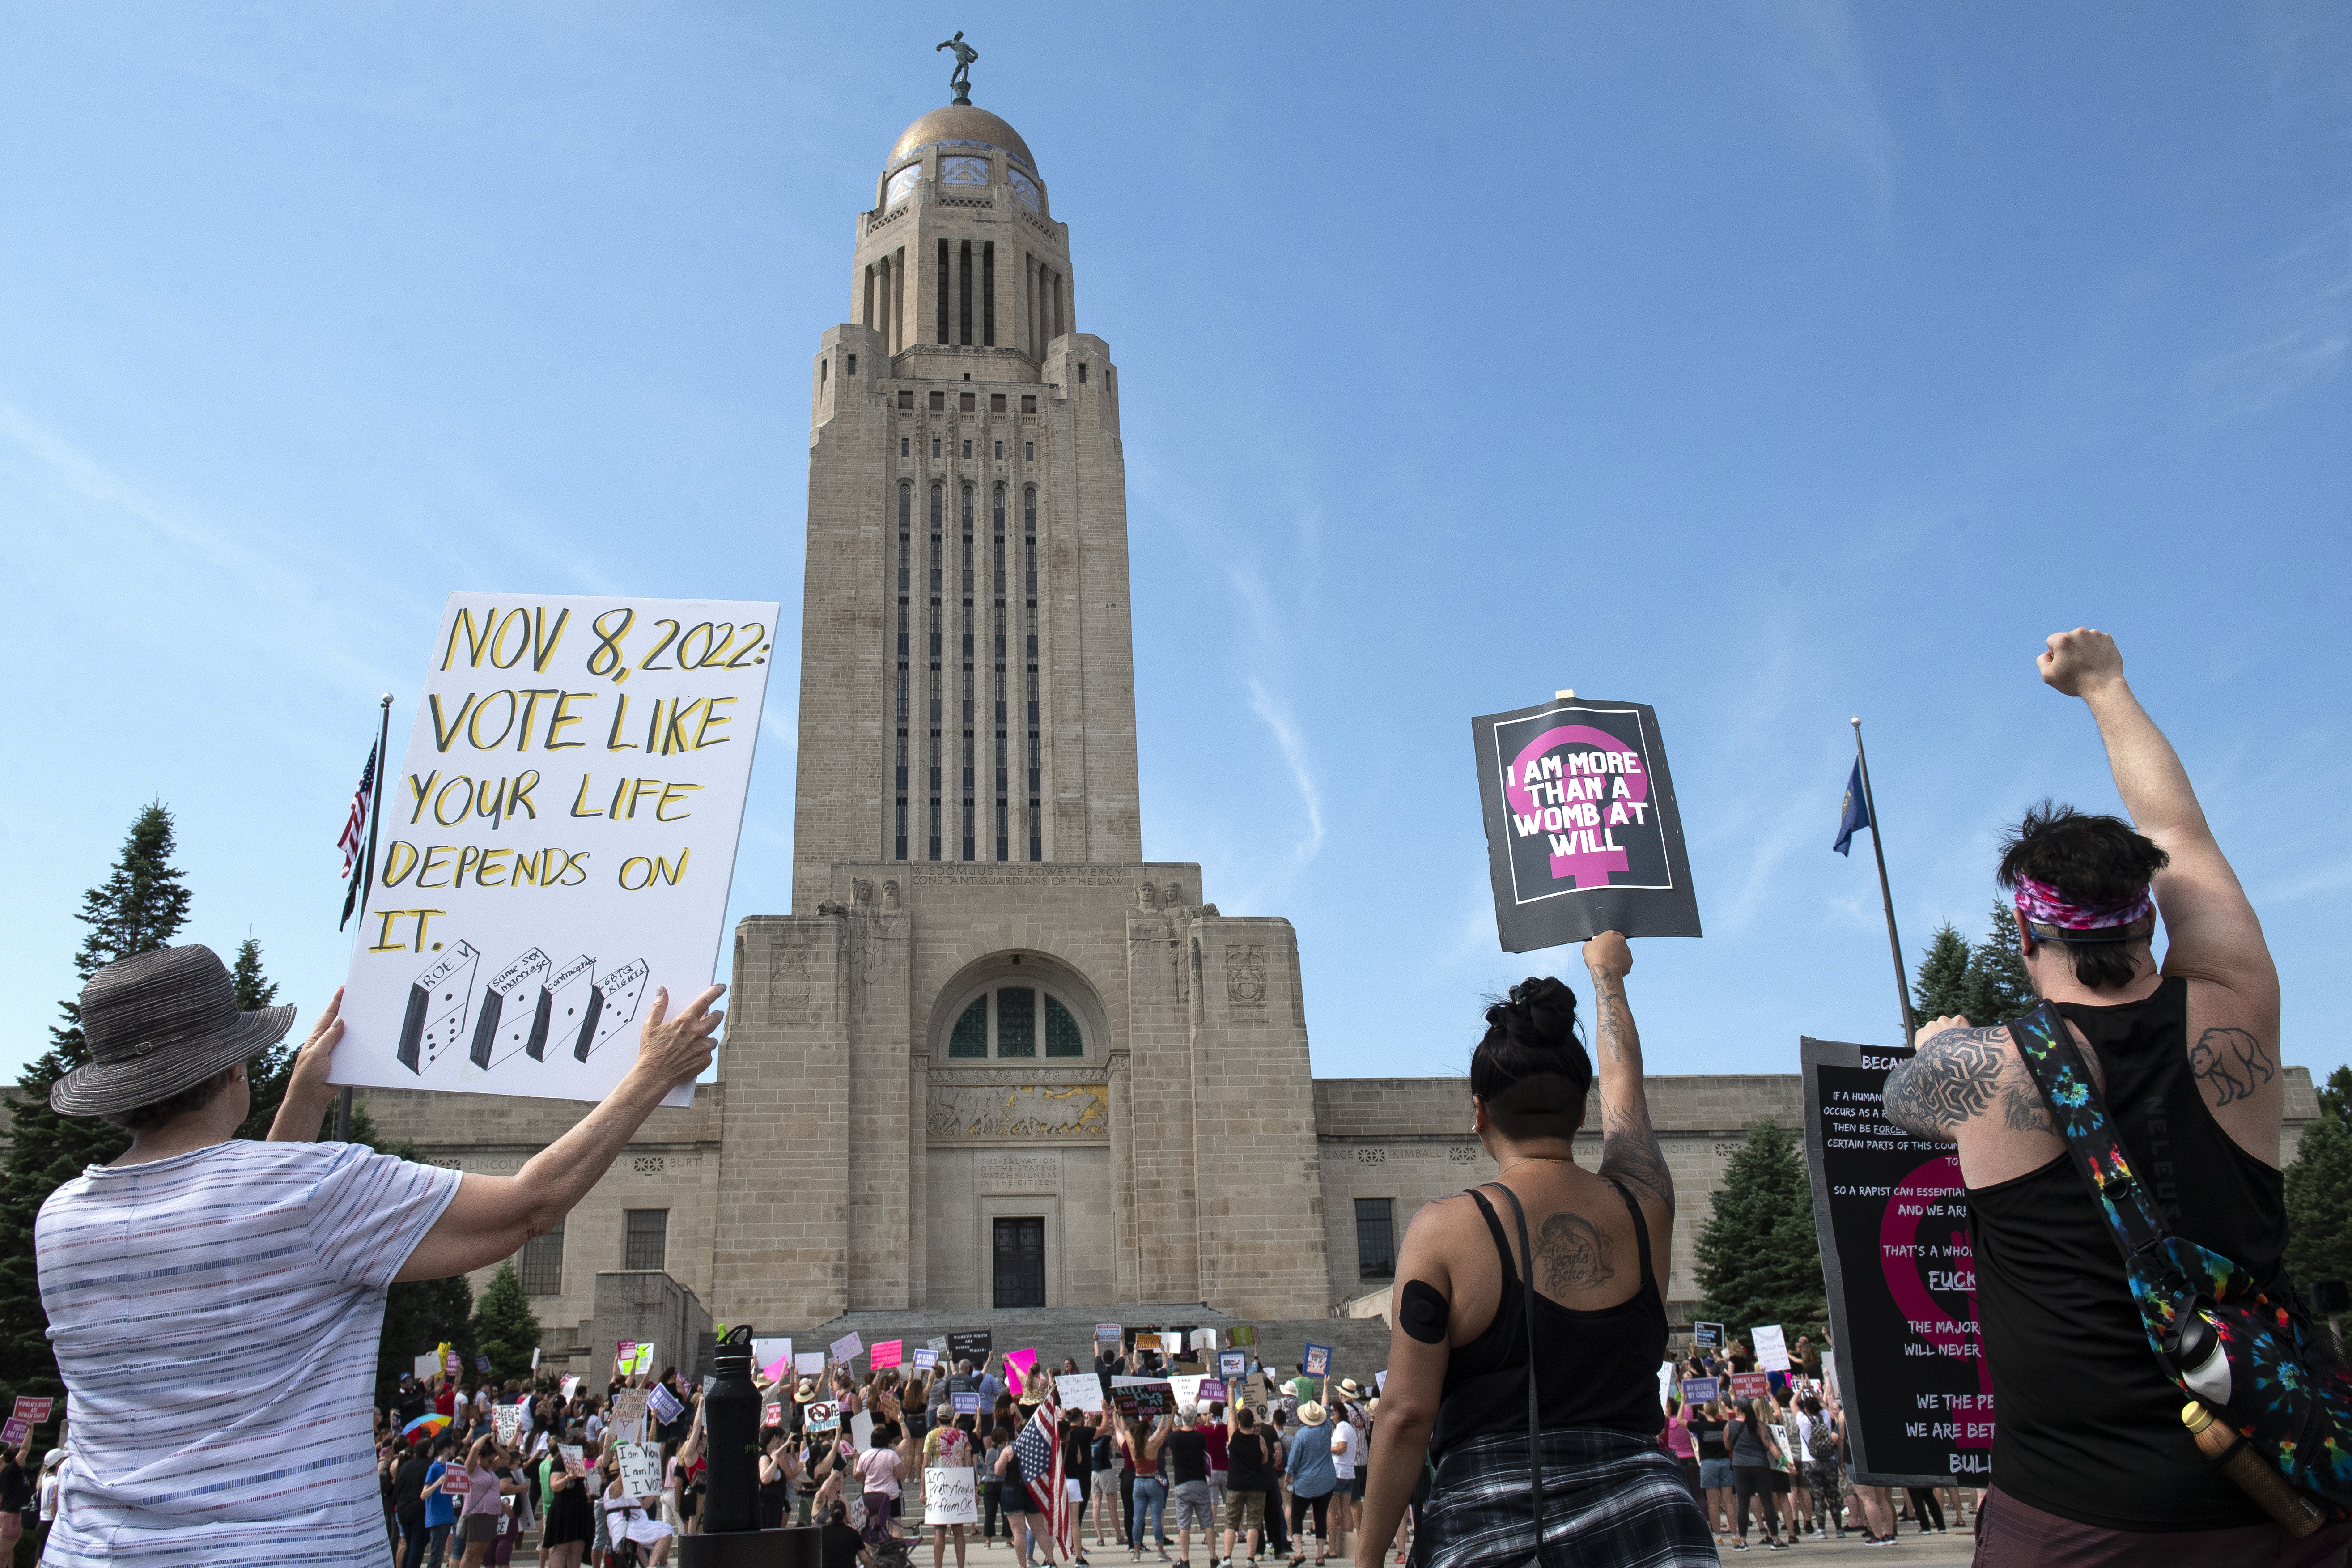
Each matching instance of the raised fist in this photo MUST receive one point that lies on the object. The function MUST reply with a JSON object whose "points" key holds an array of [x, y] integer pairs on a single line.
{"points": [[2079, 661]]}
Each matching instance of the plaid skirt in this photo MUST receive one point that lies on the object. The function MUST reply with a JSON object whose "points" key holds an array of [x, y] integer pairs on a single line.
{"points": [[1611, 1500]]}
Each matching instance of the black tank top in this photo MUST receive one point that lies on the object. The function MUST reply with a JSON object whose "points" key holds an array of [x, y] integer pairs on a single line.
{"points": [[1596, 1369], [2087, 1425]]}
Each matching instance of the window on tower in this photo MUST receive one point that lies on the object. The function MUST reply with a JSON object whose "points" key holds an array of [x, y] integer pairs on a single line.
{"points": [[968, 401], [853, 364], [905, 399], [1028, 451], [1028, 403], [1000, 451], [935, 446], [996, 403], [902, 445], [967, 449], [940, 402]]}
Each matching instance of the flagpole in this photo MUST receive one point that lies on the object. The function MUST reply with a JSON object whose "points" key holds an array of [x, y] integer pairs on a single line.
{"points": [[1887, 896], [367, 877]]}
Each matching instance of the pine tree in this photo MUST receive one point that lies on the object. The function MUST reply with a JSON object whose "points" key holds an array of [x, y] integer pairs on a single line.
{"points": [[2319, 1189], [139, 906], [1941, 989], [505, 1327], [418, 1315], [1759, 1261], [1998, 988], [270, 1069]]}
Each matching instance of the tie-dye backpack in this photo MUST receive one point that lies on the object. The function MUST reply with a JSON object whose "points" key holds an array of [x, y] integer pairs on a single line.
{"points": [[2248, 1356]]}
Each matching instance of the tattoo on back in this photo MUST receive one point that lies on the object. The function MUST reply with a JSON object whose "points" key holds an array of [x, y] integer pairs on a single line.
{"points": [[2022, 1111], [1948, 1082], [1573, 1252], [2230, 1065]]}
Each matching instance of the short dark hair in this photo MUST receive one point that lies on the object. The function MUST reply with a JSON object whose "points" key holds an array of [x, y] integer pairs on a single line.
{"points": [[2094, 859], [156, 1112], [1531, 1070]]}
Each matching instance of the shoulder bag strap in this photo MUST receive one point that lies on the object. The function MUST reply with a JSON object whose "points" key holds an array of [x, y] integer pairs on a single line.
{"points": [[1535, 1416], [2082, 1119]]}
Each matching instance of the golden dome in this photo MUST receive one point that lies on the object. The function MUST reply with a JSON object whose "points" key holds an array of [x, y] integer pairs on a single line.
{"points": [[961, 123]]}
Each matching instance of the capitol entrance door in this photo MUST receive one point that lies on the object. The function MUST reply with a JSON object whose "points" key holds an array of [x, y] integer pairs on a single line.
{"points": [[1021, 1261]]}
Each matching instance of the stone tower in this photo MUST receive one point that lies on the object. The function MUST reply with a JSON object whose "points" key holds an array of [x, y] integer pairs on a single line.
{"points": [[991, 1058]]}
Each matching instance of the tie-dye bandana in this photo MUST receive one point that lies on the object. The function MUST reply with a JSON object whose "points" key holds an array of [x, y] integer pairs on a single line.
{"points": [[2295, 1414], [2045, 905]]}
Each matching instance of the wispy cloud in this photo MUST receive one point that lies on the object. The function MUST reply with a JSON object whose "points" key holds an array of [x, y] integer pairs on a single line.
{"points": [[1274, 714], [1812, 57], [2298, 331]]}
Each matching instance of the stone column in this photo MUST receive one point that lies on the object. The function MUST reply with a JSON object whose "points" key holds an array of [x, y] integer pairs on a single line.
{"points": [[1126, 1236]]}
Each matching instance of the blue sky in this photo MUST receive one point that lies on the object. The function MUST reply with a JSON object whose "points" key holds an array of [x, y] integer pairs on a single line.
{"points": [[1769, 363]]}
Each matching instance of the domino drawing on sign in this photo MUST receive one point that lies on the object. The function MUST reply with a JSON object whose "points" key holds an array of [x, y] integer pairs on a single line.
{"points": [[614, 1003], [438, 1001], [514, 1016], [571, 992]]}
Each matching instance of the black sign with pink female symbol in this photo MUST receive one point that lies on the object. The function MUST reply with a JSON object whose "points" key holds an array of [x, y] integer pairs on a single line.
{"points": [[1582, 835]]}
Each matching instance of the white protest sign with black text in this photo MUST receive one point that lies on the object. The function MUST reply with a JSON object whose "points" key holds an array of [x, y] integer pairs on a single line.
{"points": [[557, 843], [949, 1496]]}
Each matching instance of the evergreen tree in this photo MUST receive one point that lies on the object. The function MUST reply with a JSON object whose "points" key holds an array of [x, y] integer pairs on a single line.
{"points": [[270, 1069], [1759, 1261], [2319, 1189], [1996, 988], [1941, 989], [418, 1315], [139, 906], [505, 1327]]}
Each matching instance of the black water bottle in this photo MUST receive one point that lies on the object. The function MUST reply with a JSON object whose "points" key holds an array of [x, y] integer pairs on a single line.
{"points": [[730, 1422]]}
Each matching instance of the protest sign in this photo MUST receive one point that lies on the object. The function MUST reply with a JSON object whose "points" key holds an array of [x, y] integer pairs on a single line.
{"points": [[973, 1343], [1147, 1341], [640, 1470], [1699, 1390], [506, 1420], [1380, 1381], [14, 1430], [575, 1458], [1751, 1384], [570, 1385], [664, 1405], [773, 1414], [1706, 1336], [808, 1363], [926, 1359], [1186, 1388], [461, 980], [1582, 835], [1232, 1364], [31, 1411], [1141, 1397], [886, 1354], [1319, 1360], [1771, 1347], [427, 1367], [949, 1496], [1242, 1334], [822, 1415], [624, 1353], [1211, 1391], [1254, 1394], [1080, 1390], [1016, 1370], [450, 1364], [773, 1357], [1891, 1215], [641, 1364], [628, 1418], [1110, 1334], [847, 1349], [1666, 1381], [965, 1403], [861, 1430], [937, 1345], [481, 1363]]}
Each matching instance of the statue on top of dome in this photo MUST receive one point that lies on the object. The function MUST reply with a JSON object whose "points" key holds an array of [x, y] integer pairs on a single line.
{"points": [[964, 55]]}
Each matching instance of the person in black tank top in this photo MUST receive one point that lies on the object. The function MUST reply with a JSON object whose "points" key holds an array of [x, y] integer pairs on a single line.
{"points": [[2090, 1461], [1466, 1361]]}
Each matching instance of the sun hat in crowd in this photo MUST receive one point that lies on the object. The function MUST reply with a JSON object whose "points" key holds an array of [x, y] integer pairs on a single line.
{"points": [[1350, 1389], [157, 1022], [804, 1392], [1310, 1414]]}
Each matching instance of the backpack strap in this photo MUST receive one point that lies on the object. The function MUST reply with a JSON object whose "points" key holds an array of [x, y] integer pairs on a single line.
{"points": [[1535, 1414]]}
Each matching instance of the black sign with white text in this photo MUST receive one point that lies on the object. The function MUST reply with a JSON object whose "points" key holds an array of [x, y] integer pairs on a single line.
{"points": [[1893, 1223]]}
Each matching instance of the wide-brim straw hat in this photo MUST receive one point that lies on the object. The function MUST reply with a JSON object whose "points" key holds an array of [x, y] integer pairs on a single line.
{"points": [[1310, 1414], [804, 1392], [1350, 1389], [157, 1022]]}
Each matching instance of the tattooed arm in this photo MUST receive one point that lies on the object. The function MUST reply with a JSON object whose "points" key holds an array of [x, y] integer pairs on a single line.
{"points": [[1629, 1146], [1950, 1082]]}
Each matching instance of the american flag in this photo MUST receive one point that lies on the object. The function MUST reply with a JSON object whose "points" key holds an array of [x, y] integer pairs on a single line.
{"points": [[1038, 1451], [354, 839]]}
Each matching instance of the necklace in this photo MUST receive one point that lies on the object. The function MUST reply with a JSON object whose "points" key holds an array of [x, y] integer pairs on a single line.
{"points": [[1542, 1158]]}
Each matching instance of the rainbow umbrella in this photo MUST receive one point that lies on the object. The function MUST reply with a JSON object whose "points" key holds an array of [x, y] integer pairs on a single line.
{"points": [[428, 1424]]}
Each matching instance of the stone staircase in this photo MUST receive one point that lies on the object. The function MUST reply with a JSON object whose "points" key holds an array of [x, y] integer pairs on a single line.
{"points": [[1360, 1346]]}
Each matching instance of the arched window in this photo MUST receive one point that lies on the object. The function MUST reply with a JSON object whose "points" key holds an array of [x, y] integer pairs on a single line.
{"points": [[1009, 1019]]}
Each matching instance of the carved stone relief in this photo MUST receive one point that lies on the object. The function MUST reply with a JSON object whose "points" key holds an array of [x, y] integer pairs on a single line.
{"points": [[1031, 1111]]}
